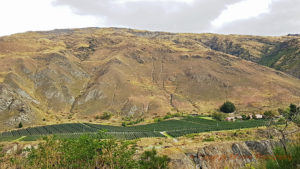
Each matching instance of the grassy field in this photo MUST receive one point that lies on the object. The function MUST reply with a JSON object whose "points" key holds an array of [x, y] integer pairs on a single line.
{"points": [[173, 128]]}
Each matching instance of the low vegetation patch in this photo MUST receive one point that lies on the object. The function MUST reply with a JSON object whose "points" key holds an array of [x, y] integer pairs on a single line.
{"points": [[208, 139], [99, 151], [219, 116], [106, 116], [281, 160]]}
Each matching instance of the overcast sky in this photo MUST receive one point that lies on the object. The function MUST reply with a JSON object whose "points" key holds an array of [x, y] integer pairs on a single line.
{"points": [[256, 17]]}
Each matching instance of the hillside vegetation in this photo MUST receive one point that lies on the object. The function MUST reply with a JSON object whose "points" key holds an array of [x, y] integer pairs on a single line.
{"points": [[77, 74]]}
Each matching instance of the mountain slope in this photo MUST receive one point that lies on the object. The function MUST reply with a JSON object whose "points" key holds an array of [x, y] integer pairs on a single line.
{"points": [[79, 73], [281, 53]]}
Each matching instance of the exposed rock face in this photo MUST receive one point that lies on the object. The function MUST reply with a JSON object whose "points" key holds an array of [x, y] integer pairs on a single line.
{"points": [[179, 160], [15, 106], [231, 155]]}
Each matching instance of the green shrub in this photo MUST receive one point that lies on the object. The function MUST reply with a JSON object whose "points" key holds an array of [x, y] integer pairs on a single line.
{"points": [[281, 120], [106, 116], [268, 114], [90, 151], [208, 139], [150, 160], [218, 116], [293, 109], [124, 123], [253, 116], [284, 112], [245, 117], [156, 120], [20, 125], [228, 107], [177, 114], [1, 155], [168, 116], [128, 123], [297, 120]]}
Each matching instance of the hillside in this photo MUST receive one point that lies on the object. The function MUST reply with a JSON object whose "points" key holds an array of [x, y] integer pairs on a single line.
{"points": [[281, 53], [74, 75]]}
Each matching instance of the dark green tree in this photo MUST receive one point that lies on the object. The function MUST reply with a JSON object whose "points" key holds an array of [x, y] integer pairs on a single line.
{"points": [[20, 125], [293, 110], [228, 107], [268, 114]]}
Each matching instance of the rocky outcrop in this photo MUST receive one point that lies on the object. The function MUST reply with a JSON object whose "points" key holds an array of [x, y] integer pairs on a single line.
{"points": [[14, 104], [219, 156]]}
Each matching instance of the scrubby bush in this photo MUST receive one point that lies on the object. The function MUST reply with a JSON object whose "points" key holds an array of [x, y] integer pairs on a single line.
{"points": [[281, 120], [297, 120], [284, 112], [227, 107], [218, 116], [150, 160], [159, 119], [90, 151], [1, 155], [293, 109], [268, 114], [244, 117], [106, 116], [128, 123], [168, 116], [208, 139]]}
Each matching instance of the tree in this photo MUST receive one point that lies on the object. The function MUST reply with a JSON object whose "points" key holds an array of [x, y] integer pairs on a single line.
{"points": [[245, 117], [293, 110], [227, 107], [268, 114], [20, 125], [290, 116], [218, 116]]}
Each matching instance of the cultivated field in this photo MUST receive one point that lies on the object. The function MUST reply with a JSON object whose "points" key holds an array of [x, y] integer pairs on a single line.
{"points": [[174, 128]]}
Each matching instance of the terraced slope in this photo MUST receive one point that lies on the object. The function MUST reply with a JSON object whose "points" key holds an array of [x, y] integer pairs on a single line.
{"points": [[74, 75]]}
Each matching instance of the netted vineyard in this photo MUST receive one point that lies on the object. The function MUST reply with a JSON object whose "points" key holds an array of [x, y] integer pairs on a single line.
{"points": [[174, 128]]}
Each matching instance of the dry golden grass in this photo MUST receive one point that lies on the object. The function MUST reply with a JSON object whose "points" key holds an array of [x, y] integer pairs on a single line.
{"points": [[82, 72]]}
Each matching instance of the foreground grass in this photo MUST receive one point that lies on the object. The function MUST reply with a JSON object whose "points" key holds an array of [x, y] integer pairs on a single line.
{"points": [[96, 151]]}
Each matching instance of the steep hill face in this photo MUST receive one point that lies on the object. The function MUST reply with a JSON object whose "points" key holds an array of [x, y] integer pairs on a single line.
{"points": [[281, 53], [80, 73]]}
